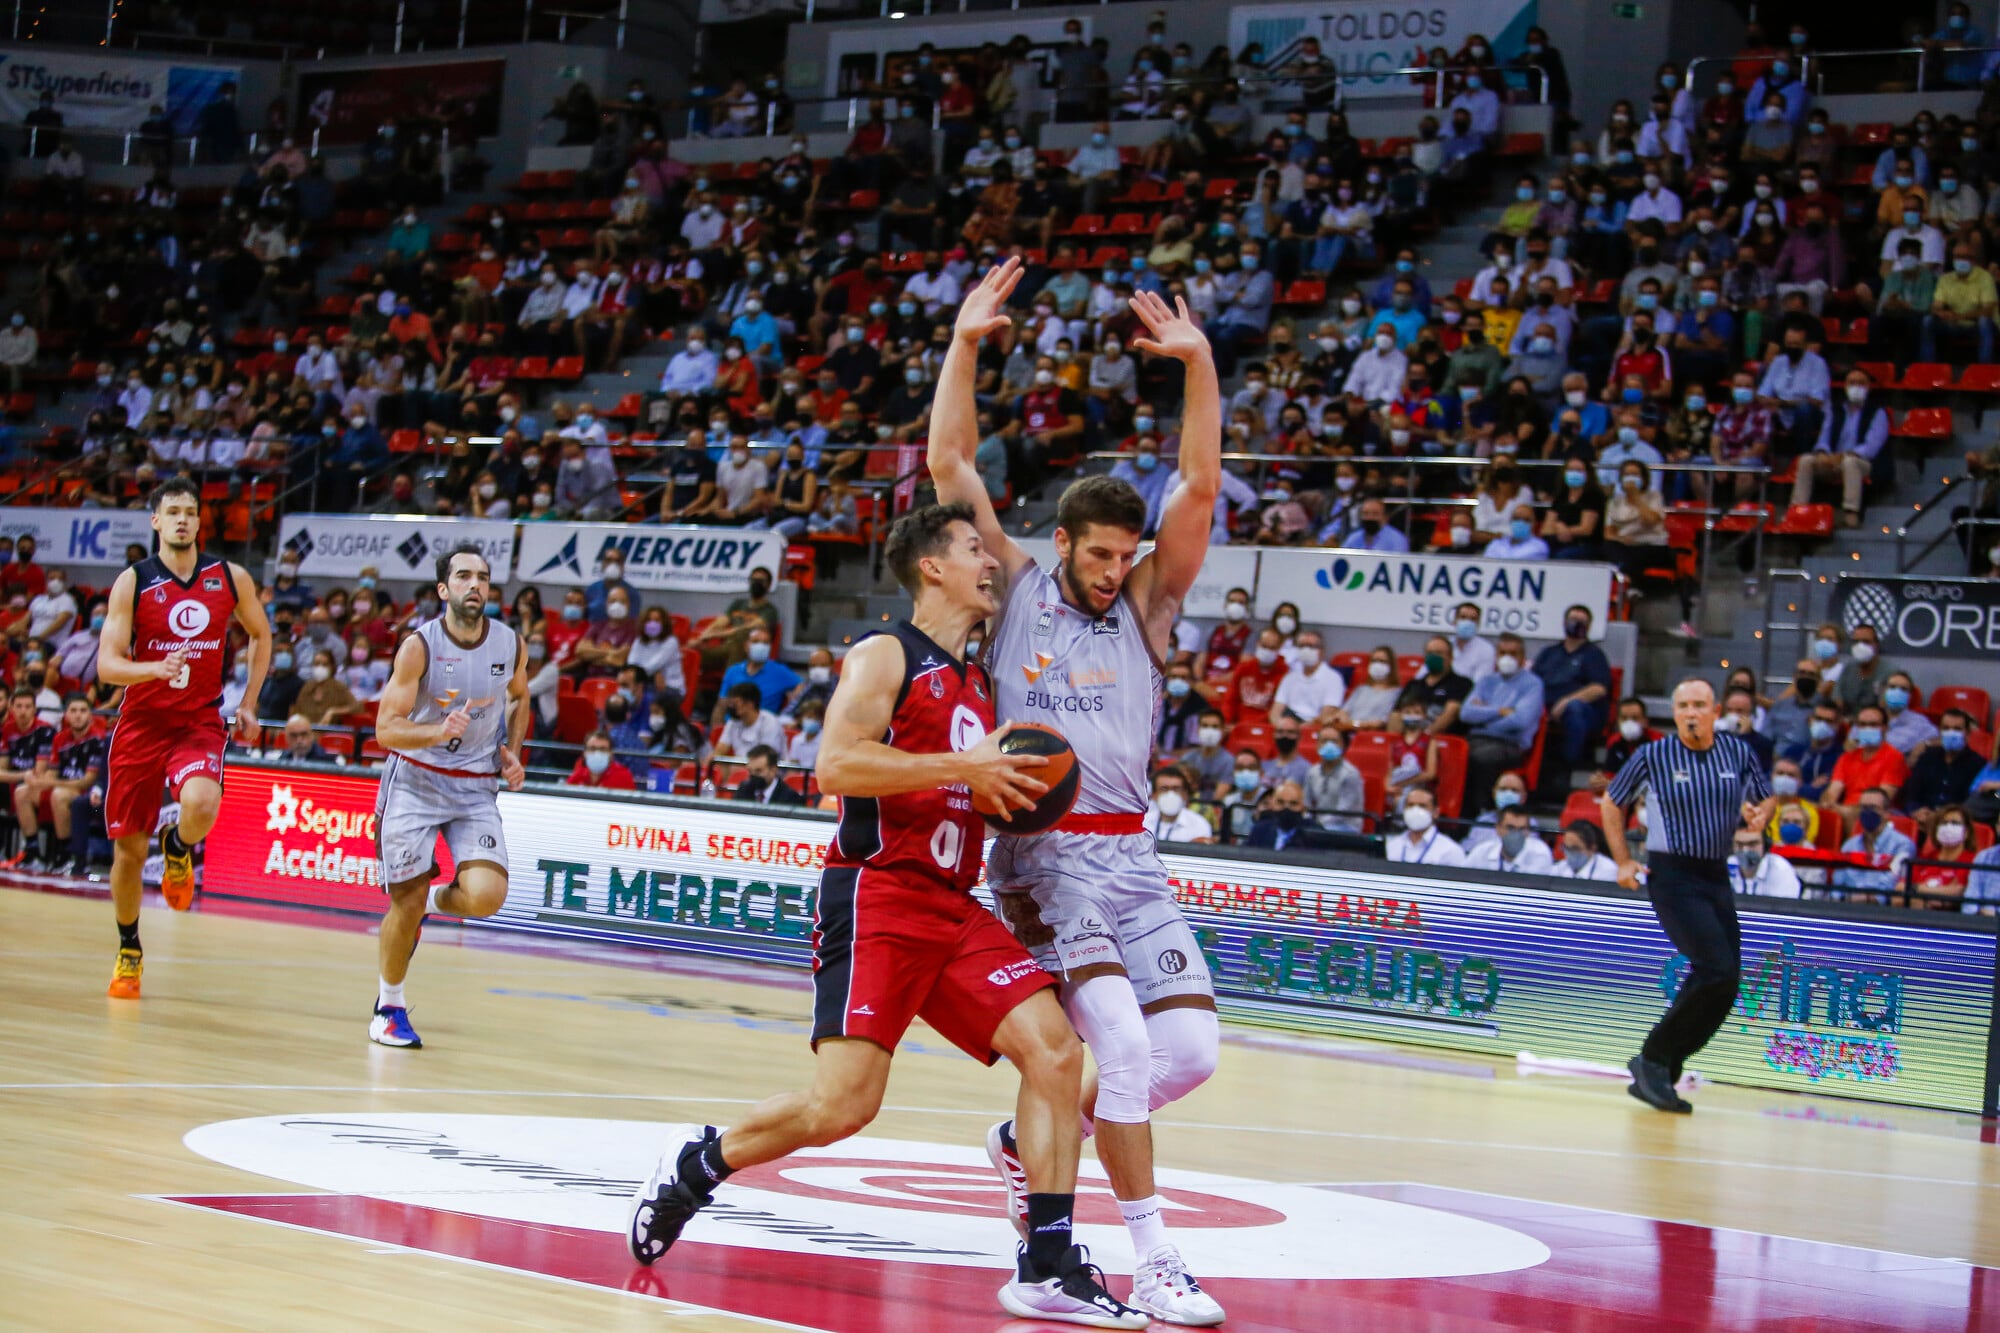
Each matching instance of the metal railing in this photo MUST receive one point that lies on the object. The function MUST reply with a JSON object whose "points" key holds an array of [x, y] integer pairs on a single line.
{"points": [[102, 147], [1862, 70]]}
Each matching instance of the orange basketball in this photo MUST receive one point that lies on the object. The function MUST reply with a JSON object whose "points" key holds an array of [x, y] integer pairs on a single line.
{"points": [[1060, 773]]}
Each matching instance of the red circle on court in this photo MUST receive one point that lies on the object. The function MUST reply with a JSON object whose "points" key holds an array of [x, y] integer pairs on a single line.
{"points": [[975, 1191]]}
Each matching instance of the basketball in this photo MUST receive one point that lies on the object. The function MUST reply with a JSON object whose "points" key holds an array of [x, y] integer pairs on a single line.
{"points": [[1061, 774]]}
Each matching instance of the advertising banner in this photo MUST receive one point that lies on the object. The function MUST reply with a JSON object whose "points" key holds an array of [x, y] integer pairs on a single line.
{"points": [[348, 106], [662, 558], [1367, 39], [79, 536], [1226, 567], [1363, 589], [342, 545], [290, 835], [1922, 617], [108, 93], [1845, 1004]]}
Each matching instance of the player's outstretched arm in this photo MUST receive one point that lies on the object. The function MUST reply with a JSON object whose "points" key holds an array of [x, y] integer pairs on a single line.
{"points": [[250, 615], [853, 761], [393, 727], [114, 645], [1161, 581], [955, 413]]}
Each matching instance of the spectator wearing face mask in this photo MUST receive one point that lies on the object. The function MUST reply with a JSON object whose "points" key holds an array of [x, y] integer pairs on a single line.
{"points": [[607, 642], [1334, 789], [802, 750], [762, 784], [610, 578], [817, 687], [324, 697], [1520, 541], [1371, 530], [1421, 842], [1753, 870], [52, 613], [1870, 764], [1312, 688], [1861, 677], [1950, 840], [1514, 848], [1875, 836], [1739, 712], [1633, 731], [596, 767], [1908, 730], [1169, 817], [656, 651], [773, 680], [1944, 773], [1503, 714], [1582, 856], [281, 684], [567, 627]]}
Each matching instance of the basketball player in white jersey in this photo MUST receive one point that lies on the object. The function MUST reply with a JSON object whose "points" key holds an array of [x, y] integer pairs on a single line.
{"points": [[1079, 646], [453, 716]]}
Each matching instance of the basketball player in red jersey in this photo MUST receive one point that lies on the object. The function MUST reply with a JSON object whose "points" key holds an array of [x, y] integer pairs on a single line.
{"points": [[898, 935], [163, 637]]}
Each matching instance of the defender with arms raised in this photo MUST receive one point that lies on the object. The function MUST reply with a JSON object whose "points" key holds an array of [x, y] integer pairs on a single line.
{"points": [[1079, 646]]}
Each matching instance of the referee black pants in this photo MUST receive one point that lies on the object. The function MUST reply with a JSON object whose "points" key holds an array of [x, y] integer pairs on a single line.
{"points": [[1692, 898]]}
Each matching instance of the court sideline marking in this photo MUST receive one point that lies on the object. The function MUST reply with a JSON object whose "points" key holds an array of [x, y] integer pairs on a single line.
{"points": [[1360, 1135]]}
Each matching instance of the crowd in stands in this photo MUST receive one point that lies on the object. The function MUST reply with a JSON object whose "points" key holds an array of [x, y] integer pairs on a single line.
{"points": [[1653, 332]]}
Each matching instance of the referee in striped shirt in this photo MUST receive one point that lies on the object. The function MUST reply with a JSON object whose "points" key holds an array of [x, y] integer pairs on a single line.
{"points": [[1702, 788]]}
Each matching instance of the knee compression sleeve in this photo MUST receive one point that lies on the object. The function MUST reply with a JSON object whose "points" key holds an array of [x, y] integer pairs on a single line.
{"points": [[1106, 1015], [1185, 1045]]}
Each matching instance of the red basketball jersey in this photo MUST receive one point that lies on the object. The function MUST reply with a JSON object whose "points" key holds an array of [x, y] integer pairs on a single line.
{"points": [[935, 835], [169, 614]]}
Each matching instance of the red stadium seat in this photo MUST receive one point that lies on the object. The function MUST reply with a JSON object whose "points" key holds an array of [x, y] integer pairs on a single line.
{"points": [[1252, 734], [1926, 377], [1925, 423], [1582, 805], [1971, 698], [1452, 755], [596, 691], [1802, 521], [1409, 666]]}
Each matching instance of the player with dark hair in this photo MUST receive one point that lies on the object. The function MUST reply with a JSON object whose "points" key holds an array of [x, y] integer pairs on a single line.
{"points": [[453, 716], [164, 640], [898, 934], [1081, 645]]}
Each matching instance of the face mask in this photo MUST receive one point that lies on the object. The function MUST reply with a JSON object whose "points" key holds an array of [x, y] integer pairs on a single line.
{"points": [[1507, 664], [760, 652], [572, 613], [1417, 818], [1950, 835], [1574, 479], [1820, 731], [1868, 737], [1576, 629], [1246, 779], [1870, 819], [1952, 740], [597, 761], [1385, 342], [240, 673], [281, 661], [1864, 653], [1286, 624], [1235, 612], [1897, 698], [1265, 656], [1520, 529], [1178, 688]]}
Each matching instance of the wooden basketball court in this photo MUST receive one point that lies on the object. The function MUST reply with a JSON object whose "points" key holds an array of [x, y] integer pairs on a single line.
{"points": [[332, 1184]]}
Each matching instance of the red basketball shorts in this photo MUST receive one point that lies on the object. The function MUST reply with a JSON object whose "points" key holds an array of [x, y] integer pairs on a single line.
{"points": [[887, 950], [150, 755]]}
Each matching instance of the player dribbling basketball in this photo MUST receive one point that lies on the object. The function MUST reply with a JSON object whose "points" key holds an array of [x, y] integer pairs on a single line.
{"points": [[165, 625], [1080, 646], [908, 746]]}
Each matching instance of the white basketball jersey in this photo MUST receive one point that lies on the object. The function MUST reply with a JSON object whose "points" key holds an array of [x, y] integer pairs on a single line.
{"points": [[1092, 678], [458, 676]]}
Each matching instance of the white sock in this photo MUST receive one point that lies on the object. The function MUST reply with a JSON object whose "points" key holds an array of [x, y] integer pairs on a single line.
{"points": [[387, 995], [1148, 1227], [431, 898]]}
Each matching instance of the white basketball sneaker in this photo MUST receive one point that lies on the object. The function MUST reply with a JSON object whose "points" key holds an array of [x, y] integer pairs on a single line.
{"points": [[1076, 1295], [1165, 1289]]}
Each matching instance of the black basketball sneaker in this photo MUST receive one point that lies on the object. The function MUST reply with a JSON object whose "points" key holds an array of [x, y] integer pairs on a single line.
{"points": [[667, 1200]]}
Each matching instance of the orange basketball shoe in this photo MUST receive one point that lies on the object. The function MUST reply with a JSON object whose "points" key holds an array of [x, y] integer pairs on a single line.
{"points": [[125, 976], [177, 878]]}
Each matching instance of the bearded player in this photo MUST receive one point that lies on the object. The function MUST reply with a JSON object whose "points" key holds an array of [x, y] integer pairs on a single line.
{"points": [[453, 716], [163, 638], [897, 934], [1080, 646]]}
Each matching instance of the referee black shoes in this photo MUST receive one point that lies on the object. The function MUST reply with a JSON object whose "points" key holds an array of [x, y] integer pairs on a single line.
{"points": [[1653, 1084]]}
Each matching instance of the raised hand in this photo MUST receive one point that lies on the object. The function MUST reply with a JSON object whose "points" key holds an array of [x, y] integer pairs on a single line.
{"points": [[983, 311], [1174, 331], [456, 721]]}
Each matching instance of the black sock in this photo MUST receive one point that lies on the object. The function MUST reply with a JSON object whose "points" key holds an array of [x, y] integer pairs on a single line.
{"points": [[702, 1167], [128, 935], [1048, 1231], [170, 841]]}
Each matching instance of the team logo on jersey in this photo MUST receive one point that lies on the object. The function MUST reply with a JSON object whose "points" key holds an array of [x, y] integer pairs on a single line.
{"points": [[211, 585], [1172, 961], [499, 668], [979, 688], [966, 728], [1045, 623], [937, 686], [188, 618], [1104, 625], [1034, 673]]}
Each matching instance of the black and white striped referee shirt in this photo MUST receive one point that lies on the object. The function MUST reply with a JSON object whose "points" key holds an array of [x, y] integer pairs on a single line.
{"points": [[1697, 796]]}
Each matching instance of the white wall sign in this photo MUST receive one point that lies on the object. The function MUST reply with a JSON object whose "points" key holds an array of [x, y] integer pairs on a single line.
{"points": [[657, 557], [342, 545], [1365, 40], [79, 536], [1419, 592]]}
